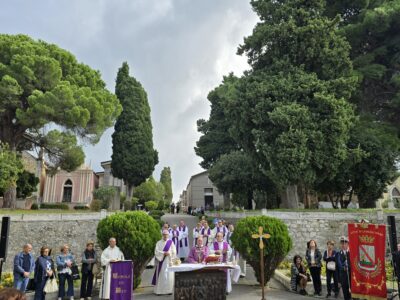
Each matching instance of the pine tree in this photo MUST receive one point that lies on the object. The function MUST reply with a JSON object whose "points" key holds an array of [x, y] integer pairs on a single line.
{"points": [[134, 157]]}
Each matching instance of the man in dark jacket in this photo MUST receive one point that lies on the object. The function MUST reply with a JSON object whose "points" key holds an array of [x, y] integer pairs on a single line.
{"points": [[24, 265], [343, 263]]}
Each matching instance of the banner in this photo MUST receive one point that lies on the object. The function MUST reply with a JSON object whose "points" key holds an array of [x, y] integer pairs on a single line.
{"points": [[367, 257], [121, 280]]}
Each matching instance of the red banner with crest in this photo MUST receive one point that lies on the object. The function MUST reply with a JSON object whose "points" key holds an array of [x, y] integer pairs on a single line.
{"points": [[367, 244]]}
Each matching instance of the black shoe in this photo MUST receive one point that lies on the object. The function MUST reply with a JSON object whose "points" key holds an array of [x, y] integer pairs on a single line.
{"points": [[328, 295]]}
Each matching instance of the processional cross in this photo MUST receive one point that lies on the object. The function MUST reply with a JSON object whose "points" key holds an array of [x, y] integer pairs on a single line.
{"points": [[260, 236]]}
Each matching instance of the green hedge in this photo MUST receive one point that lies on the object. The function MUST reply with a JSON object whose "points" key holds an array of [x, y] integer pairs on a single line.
{"points": [[276, 247], [136, 234], [54, 206], [81, 207]]}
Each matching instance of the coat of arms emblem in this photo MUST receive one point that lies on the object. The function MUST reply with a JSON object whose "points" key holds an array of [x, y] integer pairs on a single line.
{"points": [[367, 258]]}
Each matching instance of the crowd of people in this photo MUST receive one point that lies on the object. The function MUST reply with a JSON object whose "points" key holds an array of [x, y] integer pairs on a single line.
{"points": [[45, 269], [337, 264], [206, 241]]}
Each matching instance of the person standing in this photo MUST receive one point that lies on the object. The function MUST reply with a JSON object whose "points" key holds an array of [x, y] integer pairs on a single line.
{"points": [[314, 257], [220, 228], [196, 233], [111, 254], [44, 269], [206, 233], [198, 253], [88, 260], [64, 262], [175, 236], [396, 264], [164, 252], [240, 261], [331, 270], [221, 247], [184, 241], [343, 264], [24, 264]]}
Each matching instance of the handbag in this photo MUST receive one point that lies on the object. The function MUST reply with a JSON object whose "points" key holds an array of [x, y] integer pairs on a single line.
{"points": [[331, 266], [51, 286], [75, 272]]}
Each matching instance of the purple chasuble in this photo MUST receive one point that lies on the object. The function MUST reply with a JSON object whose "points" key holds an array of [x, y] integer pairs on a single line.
{"points": [[160, 263]]}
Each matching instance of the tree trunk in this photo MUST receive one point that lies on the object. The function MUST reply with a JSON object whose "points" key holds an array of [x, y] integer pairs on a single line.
{"points": [[332, 201], [250, 200], [10, 197]]}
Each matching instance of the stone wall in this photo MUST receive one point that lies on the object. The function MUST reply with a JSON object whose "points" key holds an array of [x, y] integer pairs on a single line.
{"points": [[320, 226], [53, 230]]}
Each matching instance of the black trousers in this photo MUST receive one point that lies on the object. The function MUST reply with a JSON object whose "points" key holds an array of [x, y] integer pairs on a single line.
{"points": [[87, 284], [329, 275], [344, 281], [316, 278]]}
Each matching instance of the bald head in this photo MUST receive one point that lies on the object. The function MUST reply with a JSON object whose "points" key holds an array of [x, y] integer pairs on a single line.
{"points": [[112, 242]]}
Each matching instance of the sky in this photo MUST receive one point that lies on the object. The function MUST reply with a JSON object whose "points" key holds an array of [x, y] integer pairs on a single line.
{"points": [[178, 49]]}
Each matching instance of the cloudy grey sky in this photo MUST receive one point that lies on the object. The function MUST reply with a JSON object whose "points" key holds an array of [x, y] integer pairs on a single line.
{"points": [[178, 49]]}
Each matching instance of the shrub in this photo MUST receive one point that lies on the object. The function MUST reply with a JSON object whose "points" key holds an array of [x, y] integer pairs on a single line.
{"points": [[136, 234], [7, 280], [161, 204], [276, 247], [34, 206], [151, 205], [156, 213], [95, 205], [81, 207], [127, 205], [105, 194], [54, 206]]}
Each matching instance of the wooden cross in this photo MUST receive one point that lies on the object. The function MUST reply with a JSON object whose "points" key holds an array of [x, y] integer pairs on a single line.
{"points": [[260, 236]]}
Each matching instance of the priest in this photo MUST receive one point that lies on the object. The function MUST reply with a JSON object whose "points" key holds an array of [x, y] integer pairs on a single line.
{"points": [[196, 233], [184, 241], [198, 253], [175, 236], [206, 233], [221, 247], [164, 252], [111, 254], [220, 228]]}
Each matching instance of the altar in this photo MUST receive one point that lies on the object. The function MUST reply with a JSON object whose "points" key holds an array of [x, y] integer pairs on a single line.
{"points": [[201, 281]]}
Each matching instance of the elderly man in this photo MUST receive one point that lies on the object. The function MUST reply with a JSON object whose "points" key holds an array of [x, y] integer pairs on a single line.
{"points": [[164, 252], [24, 265], [111, 254], [198, 253], [222, 247]]}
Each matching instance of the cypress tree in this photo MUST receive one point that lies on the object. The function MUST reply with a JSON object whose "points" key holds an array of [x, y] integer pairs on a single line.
{"points": [[165, 179], [134, 157]]}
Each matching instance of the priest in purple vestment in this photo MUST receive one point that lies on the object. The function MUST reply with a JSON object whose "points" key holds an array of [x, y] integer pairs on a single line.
{"points": [[199, 252]]}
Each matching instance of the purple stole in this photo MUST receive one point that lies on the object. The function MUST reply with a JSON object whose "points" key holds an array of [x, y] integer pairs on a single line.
{"points": [[223, 230], [225, 247], [208, 234], [175, 239], [160, 263], [186, 239]]}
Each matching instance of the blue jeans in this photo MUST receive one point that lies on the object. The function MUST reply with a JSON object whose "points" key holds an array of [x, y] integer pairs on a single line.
{"points": [[20, 283], [61, 290]]}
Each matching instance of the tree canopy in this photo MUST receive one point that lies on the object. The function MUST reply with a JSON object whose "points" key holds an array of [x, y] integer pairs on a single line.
{"points": [[43, 86], [133, 157]]}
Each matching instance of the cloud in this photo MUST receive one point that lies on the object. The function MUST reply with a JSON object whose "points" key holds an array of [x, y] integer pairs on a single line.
{"points": [[178, 49]]}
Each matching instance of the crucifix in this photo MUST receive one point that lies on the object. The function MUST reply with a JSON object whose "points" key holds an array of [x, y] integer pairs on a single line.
{"points": [[260, 236]]}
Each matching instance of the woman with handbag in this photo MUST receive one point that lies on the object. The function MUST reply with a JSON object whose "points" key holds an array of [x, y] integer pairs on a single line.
{"points": [[314, 257], [65, 261], [44, 273], [330, 259], [88, 261]]}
